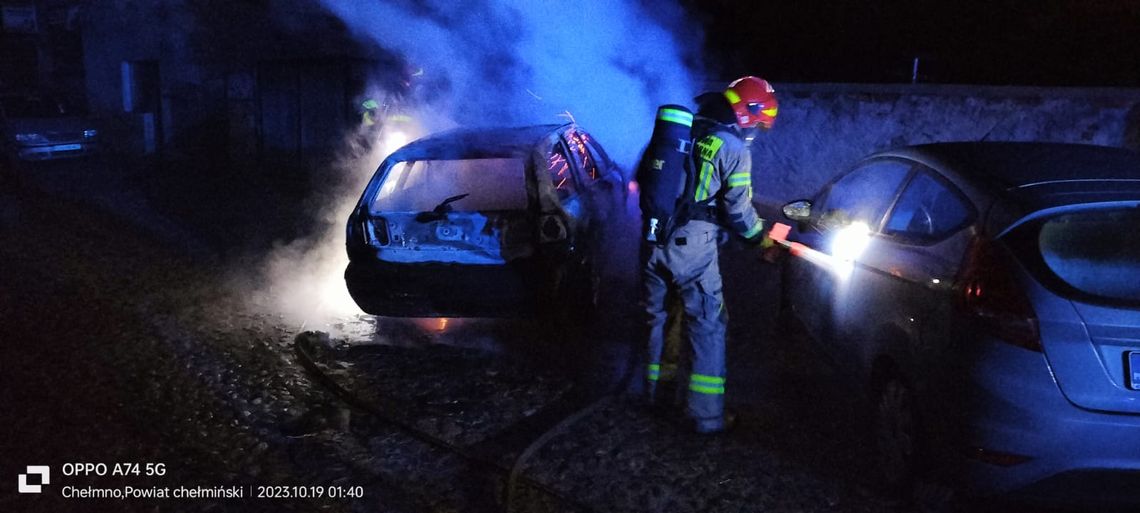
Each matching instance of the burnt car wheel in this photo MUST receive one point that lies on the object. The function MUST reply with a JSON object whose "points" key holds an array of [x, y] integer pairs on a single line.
{"points": [[896, 434]]}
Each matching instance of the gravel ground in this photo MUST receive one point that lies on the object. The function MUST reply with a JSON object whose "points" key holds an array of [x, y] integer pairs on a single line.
{"points": [[119, 348], [462, 396]]}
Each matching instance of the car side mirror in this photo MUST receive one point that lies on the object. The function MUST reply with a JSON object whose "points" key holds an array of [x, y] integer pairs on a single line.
{"points": [[799, 210]]}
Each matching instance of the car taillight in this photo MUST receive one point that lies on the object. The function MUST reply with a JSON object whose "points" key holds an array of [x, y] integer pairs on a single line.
{"points": [[998, 458], [372, 231], [379, 231], [992, 298]]}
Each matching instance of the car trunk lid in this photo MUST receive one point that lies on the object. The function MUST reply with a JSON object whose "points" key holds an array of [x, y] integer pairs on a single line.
{"points": [[1088, 258], [1098, 369]]}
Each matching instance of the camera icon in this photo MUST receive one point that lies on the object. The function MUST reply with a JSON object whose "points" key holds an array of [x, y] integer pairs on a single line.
{"points": [[44, 474]]}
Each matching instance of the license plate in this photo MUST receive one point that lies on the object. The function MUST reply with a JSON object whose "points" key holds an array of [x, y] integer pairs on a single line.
{"points": [[1133, 370], [67, 147]]}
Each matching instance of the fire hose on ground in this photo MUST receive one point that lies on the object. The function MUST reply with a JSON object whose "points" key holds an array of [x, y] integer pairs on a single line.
{"points": [[513, 472], [580, 405]]}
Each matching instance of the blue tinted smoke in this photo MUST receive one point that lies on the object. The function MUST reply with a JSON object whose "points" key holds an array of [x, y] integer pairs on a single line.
{"points": [[608, 64]]}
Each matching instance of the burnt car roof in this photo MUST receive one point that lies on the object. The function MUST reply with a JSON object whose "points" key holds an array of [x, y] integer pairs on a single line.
{"points": [[1039, 175], [461, 143]]}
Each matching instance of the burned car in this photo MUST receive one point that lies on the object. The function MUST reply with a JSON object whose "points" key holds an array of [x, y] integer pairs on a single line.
{"points": [[495, 222], [39, 127]]}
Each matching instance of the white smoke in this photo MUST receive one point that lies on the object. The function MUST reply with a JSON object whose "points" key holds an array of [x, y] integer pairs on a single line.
{"points": [[303, 280], [608, 64]]}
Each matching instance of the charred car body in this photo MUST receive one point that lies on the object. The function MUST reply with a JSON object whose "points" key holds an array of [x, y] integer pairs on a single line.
{"points": [[484, 222]]}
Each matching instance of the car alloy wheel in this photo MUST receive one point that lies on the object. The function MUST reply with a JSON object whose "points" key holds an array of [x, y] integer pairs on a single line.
{"points": [[896, 436]]}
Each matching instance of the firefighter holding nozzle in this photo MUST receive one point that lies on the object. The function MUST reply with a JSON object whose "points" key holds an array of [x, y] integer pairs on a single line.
{"points": [[696, 178]]}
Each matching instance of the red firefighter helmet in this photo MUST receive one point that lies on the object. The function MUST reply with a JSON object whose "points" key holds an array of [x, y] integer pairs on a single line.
{"points": [[753, 101]]}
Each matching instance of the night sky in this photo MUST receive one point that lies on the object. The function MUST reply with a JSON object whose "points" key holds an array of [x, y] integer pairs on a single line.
{"points": [[998, 42]]}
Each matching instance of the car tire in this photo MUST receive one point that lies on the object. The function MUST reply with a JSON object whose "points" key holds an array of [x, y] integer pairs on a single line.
{"points": [[896, 435]]}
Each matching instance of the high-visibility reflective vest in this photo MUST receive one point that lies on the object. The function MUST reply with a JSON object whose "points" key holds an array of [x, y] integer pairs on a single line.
{"points": [[368, 114]]}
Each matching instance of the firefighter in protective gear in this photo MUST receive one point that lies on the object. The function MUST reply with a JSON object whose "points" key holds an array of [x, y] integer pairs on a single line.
{"points": [[719, 190]]}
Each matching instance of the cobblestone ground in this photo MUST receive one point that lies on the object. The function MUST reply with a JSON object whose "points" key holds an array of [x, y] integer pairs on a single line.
{"points": [[119, 349]]}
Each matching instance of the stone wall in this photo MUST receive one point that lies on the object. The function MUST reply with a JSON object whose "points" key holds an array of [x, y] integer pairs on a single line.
{"points": [[823, 129]]}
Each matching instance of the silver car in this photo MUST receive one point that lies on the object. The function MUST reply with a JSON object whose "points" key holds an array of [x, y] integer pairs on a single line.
{"points": [[40, 127], [984, 299]]}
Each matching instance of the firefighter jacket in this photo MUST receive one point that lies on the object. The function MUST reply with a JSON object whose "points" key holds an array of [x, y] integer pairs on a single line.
{"points": [[724, 178]]}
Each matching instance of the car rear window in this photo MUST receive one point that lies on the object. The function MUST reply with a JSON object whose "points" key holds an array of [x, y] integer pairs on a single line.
{"points": [[1096, 252], [421, 186], [34, 107]]}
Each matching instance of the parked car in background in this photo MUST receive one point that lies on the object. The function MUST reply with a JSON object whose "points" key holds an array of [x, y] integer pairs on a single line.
{"points": [[37, 127], [985, 298], [485, 222]]}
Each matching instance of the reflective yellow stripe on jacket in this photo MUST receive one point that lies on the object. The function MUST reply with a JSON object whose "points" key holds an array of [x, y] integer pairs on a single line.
{"points": [[740, 179]]}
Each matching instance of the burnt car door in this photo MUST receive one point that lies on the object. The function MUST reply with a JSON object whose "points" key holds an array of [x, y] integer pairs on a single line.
{"points": [[602, 187], [600, 176], [567, 188], [818, 287], [564, 219]]}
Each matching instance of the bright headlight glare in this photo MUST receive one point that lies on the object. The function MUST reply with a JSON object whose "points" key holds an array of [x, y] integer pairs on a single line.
{"points": [[90, 133], [850, 241]]}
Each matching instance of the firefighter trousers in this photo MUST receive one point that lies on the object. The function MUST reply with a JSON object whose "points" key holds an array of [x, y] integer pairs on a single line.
{"points": [[688, 263]]}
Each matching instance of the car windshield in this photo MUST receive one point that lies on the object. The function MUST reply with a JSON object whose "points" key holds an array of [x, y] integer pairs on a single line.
{"points": [[425, 185], [1095, 252], [36, 107]]}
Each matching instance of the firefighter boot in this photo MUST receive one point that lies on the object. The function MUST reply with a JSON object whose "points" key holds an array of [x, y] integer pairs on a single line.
{"points": [[716, 426]]}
